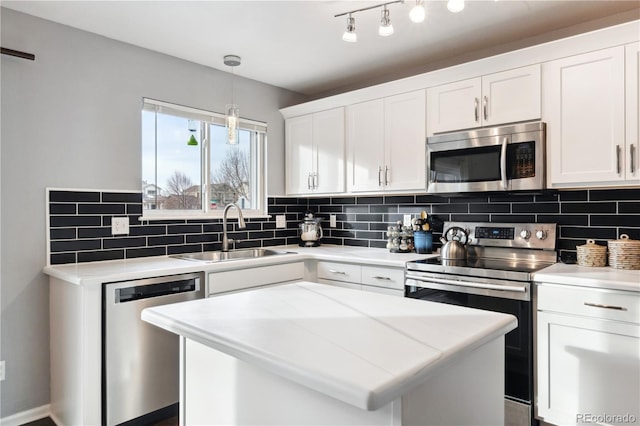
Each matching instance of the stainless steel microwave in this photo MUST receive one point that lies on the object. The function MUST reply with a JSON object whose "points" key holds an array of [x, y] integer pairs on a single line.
{"points": [[506, 158]]}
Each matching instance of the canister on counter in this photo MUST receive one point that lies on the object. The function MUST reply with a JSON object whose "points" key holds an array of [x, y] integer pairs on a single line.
{"points": [[592, 254]]}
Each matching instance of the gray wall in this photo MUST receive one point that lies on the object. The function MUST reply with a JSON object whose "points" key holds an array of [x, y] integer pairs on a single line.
{"points": [[71, 119]]}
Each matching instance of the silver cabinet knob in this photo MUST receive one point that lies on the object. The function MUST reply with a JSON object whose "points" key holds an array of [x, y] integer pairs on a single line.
{"points": [[541, 235], [525, 233]]}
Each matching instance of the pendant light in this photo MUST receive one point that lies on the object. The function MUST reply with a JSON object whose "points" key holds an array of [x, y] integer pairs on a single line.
{"points": [[231, 110]]}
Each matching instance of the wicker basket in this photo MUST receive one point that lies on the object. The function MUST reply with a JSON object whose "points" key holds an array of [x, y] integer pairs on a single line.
{"points": [[624, 253], [592, 254]]}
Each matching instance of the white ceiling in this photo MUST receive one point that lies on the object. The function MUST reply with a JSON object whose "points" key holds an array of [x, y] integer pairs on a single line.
{"points": [[298, 45]]}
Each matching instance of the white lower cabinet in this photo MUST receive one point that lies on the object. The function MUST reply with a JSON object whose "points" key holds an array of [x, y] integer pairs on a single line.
{"points": [[587, 356], [240, 279], [369, 278]]}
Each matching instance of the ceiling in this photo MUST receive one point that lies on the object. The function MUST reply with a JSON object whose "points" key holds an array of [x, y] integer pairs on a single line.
{"points": [[298, 45]]}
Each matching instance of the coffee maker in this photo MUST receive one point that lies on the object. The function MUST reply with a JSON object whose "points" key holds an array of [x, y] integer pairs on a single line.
{"points": [[310, 231]]}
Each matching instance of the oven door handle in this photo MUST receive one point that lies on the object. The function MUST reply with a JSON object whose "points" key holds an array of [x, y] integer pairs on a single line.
{"points": [[520, 289]]}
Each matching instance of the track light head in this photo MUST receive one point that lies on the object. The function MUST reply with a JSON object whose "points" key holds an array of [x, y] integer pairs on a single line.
{"points": [[350, 34], [455, 6], [418, 13], [386, 29]]}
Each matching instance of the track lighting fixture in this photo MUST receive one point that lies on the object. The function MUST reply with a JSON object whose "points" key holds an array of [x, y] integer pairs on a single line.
{"points": [[418, 12], [350, 34], [385, 29]]}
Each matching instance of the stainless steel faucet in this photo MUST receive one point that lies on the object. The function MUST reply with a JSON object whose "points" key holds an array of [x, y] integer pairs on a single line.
{"points": [[241, 224]]}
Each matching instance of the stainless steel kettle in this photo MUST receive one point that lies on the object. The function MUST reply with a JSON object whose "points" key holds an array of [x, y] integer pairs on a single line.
{"points": [[454, 248]]}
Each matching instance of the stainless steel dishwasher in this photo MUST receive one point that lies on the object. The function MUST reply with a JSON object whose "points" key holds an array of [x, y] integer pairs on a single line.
{"points": [[140, 362]]}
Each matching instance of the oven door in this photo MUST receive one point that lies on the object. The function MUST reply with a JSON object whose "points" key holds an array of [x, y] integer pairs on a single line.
{"points": [[492, 295], [495, 163]]}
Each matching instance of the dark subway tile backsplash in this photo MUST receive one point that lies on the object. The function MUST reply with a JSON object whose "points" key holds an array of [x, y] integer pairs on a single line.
{"points": [[80, 221]]}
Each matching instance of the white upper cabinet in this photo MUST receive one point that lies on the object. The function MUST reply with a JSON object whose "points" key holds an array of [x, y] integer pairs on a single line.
{"points": [[315, 153], [632, 157], [386, 144], [584, 108], [493, 99]]}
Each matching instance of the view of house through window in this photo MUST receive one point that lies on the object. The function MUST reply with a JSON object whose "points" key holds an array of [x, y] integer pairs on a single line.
{"points": [[188, 167]]}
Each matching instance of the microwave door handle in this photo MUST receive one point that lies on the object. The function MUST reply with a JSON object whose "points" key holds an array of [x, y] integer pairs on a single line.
{"points": [[503, 162]]}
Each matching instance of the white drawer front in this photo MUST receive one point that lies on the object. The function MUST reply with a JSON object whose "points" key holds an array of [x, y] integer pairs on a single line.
{"points": [[238, 279], [383, 290], [339, 271], [383, 277], [596, 303]]}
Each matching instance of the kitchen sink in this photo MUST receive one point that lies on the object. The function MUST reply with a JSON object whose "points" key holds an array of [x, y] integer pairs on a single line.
{"points": [[221, 256]]}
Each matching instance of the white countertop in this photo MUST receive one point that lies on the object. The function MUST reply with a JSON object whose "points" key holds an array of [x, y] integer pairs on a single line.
{"points": [[585, 276], [365, 349], [92, 273]]}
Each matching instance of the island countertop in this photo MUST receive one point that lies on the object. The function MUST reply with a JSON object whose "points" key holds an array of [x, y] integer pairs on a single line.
{"points": [[365, 349]]}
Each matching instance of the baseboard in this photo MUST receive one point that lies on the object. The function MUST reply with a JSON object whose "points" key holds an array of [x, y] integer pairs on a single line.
{"points": [[26, 416]]}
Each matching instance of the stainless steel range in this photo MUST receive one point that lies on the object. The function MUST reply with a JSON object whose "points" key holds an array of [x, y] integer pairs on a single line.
{"points": [[496, 275]]}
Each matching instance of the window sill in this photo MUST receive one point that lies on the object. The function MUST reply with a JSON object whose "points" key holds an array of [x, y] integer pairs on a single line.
{"points": [[232, 215]]}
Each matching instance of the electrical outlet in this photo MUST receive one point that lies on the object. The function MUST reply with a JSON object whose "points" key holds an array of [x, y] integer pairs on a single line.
{"points": [[281, 221], [332, 221], [119, 225], [1, 371], [407, 220]]}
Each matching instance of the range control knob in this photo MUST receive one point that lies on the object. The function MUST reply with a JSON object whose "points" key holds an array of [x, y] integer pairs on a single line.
{"points": [[525, 233], [541, 234]]}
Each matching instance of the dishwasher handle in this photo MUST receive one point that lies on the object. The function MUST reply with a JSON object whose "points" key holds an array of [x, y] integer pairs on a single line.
{"points": [[139, 292]]}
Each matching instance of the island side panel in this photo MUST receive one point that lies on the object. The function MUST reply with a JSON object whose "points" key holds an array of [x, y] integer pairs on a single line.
{"points": [[220, 390], [469, 391], [75, 352]]}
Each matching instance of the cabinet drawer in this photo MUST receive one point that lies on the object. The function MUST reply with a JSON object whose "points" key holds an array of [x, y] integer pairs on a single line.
{"points": [[383, 290], [339, 271], [596, 303], [383, 277], [238, 279]]}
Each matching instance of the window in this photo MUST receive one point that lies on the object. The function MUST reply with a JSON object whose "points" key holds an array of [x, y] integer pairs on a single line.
{"points": [[189, 169]]}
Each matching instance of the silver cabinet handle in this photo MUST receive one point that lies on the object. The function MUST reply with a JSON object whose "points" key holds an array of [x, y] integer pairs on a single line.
{"points": [[485, 109], [386, 175], [618, 168], [315, 181], [632, 154], [503, 162], [309, 180], [379, 176], [333, 271], [477, 112], [599, 305], [381, 278]]}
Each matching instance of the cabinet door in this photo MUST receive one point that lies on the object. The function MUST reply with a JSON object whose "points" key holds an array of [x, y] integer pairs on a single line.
{"points": [[365, 146], [511, 96], [586, 367], [632, 58], [299, 154], [454, 106], [328, 148], [583, 105], [405, 142]]}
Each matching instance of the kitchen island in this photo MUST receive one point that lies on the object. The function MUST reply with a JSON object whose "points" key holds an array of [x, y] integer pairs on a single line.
{"points": [[307, 353]]}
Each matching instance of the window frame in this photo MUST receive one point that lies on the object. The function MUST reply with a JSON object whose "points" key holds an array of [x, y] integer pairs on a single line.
{"points": [[258, 164]]}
